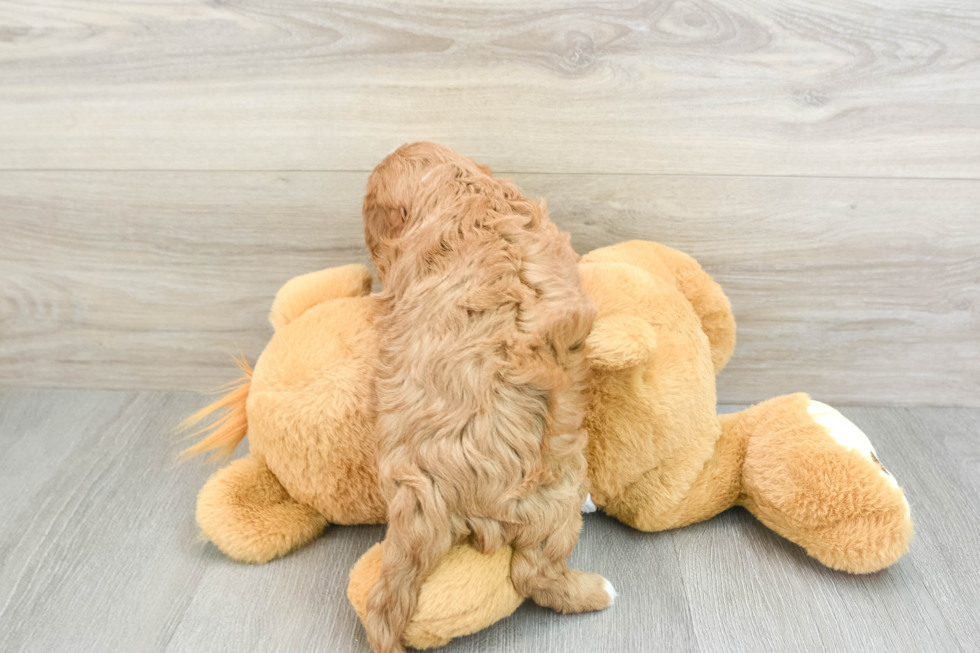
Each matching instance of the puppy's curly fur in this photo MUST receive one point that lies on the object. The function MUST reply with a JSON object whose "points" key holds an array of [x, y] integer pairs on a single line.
{"points": [[480, 385]]}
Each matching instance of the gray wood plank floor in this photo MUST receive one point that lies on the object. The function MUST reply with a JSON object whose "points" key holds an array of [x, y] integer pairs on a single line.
{"points": [[99, 552]]}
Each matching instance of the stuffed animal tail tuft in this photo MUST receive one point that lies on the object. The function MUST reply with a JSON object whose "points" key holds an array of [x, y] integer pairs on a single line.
{"points": [[224, 434]]}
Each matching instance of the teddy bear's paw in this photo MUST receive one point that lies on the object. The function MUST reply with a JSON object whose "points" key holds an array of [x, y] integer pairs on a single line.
{"points": [[847, 435]]}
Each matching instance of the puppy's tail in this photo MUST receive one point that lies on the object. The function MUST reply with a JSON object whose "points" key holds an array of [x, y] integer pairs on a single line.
{"points": [[418, 538]]}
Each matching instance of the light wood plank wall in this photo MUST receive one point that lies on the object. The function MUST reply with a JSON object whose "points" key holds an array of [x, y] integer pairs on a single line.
{"points": [[164, 168]]}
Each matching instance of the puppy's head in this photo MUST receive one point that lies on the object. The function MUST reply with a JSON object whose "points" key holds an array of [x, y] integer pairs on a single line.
{"points": [[402, 186]]}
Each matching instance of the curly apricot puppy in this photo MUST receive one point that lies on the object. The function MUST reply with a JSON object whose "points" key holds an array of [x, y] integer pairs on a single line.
{"points": [[480, 385]]}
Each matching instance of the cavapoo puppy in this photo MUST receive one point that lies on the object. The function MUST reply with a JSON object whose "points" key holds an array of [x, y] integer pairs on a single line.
{"points": [[480, 384]]}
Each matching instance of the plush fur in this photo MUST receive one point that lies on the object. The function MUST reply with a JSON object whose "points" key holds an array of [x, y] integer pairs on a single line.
{"points": [[311, 427], [480, 382], [658, 455], [465, 593]]}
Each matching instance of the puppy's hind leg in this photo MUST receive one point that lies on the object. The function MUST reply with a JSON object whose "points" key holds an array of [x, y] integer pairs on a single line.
{"points": [[419, 535], [539, 570]]}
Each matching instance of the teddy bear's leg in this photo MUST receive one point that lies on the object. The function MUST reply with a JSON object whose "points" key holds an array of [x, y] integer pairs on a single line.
{"points": [[648, 506], [813, 477], [467, 592], [247, 513]]}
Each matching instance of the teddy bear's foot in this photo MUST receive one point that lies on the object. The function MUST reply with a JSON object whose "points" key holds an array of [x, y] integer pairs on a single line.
{"points": [[847, 435], [811, 475], [247, 513], [467, 592]]}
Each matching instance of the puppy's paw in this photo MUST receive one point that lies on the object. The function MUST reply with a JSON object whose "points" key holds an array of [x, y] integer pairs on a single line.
{"points": [[611, 591], [588, 592], [588, 506]]}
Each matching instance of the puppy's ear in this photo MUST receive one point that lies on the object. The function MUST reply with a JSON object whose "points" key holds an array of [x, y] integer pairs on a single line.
{"points": [[617, 342], [440, 174], [397, 218]]}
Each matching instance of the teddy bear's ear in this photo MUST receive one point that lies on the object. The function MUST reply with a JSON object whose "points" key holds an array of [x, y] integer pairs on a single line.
{"points": [[306, 291], [620, 341]]}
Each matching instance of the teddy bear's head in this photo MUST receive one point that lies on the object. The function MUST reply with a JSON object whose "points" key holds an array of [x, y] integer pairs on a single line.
{"points": [[663, 329]]}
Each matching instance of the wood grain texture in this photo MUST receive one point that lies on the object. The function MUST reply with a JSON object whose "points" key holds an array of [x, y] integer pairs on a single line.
{"points": [[945, 505], [93, 554], [99, 553], [858, 291], [687, 86]]}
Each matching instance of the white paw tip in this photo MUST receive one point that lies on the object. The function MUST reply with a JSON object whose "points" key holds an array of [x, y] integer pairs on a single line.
{"points": [[588, 506], [610, 590]]}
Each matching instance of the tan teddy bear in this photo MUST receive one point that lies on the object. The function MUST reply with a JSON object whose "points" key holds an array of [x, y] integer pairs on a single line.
{"points": [[659, 455]]}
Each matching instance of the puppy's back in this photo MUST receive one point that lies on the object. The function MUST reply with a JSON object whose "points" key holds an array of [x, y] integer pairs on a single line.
{"points": [[480, 351], [481, 377]]}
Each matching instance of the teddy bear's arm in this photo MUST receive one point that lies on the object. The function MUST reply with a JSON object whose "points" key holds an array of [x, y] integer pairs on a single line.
{"points": [[306, 291], [620, 341]]}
